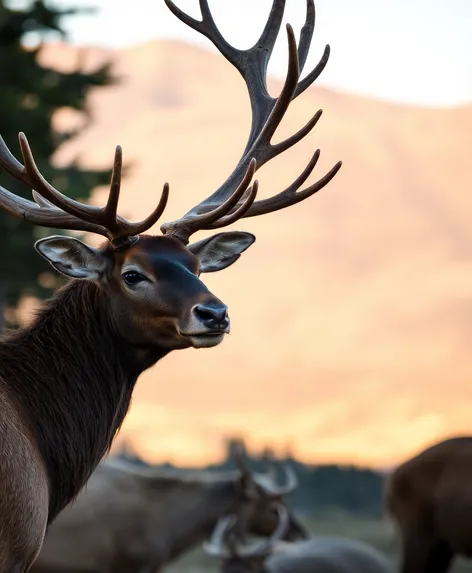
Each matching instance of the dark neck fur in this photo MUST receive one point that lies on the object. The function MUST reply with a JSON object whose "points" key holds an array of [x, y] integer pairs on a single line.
{"points": [[73, 376]]}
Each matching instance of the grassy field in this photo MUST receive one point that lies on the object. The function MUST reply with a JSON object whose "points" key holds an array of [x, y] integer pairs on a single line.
{"points": [[378, 533]]}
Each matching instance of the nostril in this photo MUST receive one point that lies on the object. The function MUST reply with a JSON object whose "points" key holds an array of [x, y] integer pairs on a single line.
{"points": [[211, 314], [221, 313], [204, 313]]}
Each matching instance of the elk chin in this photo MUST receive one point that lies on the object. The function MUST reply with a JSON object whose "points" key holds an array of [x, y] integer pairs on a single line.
{"points": [[205, 340]]}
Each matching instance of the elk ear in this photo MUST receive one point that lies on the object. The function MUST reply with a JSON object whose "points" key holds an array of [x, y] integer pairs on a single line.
{"points": [[71, 257], [221, 250]]}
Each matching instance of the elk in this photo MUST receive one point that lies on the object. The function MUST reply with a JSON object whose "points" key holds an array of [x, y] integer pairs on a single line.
{"points": [[130, 519], [66, 379], [317, 554], [429, 498]]}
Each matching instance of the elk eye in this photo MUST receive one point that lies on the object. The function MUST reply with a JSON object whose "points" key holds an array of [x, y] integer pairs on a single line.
{"points": [[132, 277]]}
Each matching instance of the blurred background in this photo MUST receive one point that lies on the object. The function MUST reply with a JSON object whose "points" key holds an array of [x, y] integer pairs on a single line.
{"points": [[352, 313]]}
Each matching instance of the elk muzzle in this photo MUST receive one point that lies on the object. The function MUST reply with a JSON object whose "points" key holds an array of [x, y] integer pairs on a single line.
{"points": [[207, 324]]}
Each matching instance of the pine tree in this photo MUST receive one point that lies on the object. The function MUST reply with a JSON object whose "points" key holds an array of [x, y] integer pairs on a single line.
{"points": [[29, 96]]}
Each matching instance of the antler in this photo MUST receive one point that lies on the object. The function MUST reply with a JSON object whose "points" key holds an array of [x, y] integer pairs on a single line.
{"points": [[267, 484], [53, 209], [234, 199], [224, 544]]}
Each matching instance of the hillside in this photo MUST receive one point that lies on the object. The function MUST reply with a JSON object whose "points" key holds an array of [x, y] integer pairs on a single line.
{"points": [[352, 313]]}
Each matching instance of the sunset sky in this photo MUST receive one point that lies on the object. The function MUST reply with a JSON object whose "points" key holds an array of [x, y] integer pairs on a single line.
{"points": [[351, 314]]}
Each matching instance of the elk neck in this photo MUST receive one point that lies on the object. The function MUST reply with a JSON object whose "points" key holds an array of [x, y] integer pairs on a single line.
{"points": [[72, 377]]}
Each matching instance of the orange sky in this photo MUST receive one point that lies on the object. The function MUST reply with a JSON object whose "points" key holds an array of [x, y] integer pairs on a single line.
{"points": [[352, 313]]}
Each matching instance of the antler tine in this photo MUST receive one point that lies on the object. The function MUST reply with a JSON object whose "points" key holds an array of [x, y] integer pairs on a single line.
{"points": [[119, 230], [111, 208], [44, 216], [41, 201], [208, 28], [306, 36], [43, 213], [267, 114], [138, 228], [271, 488], [264, 45], [193, 221], [261, 147], [240, 211], [11, 164], [290, 196], [110, 217], [212, 216], [43, 187], [215, 546], [292, 480], [314, 74], [53, 209]]}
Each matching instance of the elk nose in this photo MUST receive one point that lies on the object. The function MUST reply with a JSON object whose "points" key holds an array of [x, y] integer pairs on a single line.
{"points": [[212, 315]]}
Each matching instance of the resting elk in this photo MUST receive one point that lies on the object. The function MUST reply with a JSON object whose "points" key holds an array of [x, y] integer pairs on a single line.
{"points": [[429, 498], [66, 379], [314, 555], [130, 519]]}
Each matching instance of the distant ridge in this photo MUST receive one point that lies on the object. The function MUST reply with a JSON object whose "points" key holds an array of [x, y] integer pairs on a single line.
{"points": [[352, 314]]}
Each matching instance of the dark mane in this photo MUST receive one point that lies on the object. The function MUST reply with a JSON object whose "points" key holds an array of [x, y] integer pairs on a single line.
{"points": [[73, 377]]}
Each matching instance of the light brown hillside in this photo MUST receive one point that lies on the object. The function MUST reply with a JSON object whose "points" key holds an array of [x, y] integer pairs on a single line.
{"points": [[352, 313]]}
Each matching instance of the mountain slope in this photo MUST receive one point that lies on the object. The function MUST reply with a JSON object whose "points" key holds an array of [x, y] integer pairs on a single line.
{"points": [[351, 314]]}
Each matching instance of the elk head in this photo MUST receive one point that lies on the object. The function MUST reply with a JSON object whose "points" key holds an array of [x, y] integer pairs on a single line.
{"points": [[262, 495], [239, 557], [156, 296]]}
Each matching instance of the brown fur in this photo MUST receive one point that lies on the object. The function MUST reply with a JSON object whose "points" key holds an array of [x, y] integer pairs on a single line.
{"points": [[129, 519], [430, 499], [22, 521], [66, 382]]}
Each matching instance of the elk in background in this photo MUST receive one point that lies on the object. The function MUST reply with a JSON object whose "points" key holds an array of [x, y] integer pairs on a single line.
{"points": [[67, 378], [429, 497], [131, 519], [317, 554]]}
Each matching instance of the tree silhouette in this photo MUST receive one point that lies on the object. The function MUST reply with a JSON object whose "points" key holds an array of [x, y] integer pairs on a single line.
{"points": [[30, 95]]}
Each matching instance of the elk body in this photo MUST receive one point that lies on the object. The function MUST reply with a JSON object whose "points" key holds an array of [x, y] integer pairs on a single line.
{"points": [[133, 520], [66, 379], [314, 555], [429, 497]]}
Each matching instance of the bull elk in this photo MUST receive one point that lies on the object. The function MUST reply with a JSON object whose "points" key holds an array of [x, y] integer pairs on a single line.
{"points": [[66, 379], [317, 554], [429, 497], [130, 519]]}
